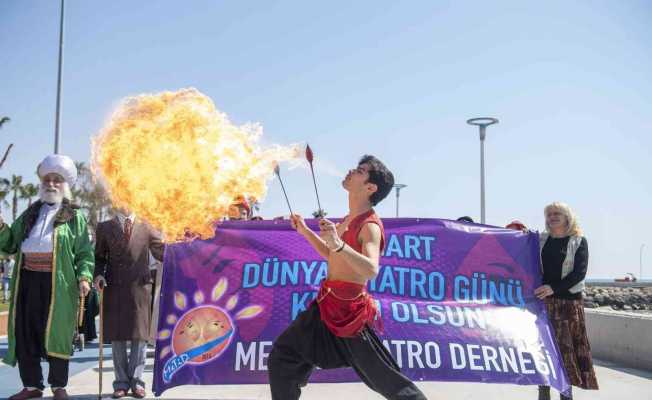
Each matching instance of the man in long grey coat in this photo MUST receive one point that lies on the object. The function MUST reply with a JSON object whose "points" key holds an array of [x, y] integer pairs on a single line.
{"points": [[122, 249]]}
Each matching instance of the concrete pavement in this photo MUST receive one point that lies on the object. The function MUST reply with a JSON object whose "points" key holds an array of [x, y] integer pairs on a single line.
{"points": [[615, 383]]}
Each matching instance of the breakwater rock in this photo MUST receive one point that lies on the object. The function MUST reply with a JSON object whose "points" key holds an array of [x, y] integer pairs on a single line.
{"points": [[619, 298]]}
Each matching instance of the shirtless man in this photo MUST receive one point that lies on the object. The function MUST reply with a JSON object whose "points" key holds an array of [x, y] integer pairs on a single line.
{"points": [[337, 330]]}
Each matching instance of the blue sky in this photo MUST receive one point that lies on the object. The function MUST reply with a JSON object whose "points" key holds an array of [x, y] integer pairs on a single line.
{"points": [[569, 81]]}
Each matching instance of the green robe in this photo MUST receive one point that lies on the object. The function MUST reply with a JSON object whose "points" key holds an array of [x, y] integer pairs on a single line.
{"points": [[74, 260]]}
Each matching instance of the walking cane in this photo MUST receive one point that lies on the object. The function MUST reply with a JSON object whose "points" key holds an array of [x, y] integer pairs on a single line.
{"points": [[80, 321], [101, 292]]}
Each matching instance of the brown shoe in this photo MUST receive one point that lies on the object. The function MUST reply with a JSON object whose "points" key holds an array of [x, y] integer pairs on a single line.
{"points": [[27, 394], [139, 393], [119, 393], [60, 394]]}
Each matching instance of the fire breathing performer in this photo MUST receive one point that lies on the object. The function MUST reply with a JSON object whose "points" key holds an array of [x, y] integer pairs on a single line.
{"points": [[54, 266], [338, 329]]}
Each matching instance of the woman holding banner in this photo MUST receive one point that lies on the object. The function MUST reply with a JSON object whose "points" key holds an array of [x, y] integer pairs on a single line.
{"points": [[565, 256]]}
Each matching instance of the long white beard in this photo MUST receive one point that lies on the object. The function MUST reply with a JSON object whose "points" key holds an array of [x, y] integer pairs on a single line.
{"points": [[54, 195]]}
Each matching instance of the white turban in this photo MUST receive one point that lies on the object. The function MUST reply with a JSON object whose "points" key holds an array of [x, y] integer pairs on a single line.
{"points": [[58, 164]]}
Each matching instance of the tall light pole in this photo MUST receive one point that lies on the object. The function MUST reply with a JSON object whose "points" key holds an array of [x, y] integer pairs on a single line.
{"points": [[640, 261], [482, 123], [398, 187], [57, 121]]}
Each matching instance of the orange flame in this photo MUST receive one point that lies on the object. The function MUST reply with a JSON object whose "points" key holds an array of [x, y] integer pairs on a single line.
{"points": [[178, 162]]}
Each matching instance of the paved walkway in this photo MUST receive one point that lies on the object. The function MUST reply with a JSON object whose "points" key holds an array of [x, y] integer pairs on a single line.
{"points": [[615, 383]]}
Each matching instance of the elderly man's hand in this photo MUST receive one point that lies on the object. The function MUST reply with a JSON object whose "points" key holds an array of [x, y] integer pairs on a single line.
{"points": [[84, 288]]}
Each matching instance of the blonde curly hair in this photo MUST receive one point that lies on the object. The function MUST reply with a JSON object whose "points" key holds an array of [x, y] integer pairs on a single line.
{"points": [[572, 227]]}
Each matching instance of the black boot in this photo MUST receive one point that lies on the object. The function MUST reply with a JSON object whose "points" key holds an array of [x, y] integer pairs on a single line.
{"points": [[544, 392], [569, 397]]}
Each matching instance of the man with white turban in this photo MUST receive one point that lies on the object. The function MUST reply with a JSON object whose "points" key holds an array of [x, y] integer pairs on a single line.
{"points": [[54, 266]]}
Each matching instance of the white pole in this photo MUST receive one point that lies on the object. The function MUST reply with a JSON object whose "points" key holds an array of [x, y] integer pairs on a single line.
{"points": [[483, 134], [482, 123], [398, 187], [57, 121]]}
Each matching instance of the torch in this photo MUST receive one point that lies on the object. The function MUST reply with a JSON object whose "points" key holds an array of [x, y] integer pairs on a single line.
{"points": [[309, 157], [277, 171]]}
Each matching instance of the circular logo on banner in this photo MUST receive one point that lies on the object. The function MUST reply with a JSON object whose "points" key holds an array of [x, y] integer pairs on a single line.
{"points": [[199, 326], [203, 332]]}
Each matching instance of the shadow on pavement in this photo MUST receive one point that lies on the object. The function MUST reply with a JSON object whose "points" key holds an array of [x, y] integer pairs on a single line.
{"points": [[149, 396], [148, 368]]}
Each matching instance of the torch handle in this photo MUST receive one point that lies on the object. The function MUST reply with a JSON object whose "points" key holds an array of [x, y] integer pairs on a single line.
{"points": [[284, 193], [314, 182]]}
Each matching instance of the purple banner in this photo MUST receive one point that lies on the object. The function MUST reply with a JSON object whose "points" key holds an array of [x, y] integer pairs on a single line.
{"points": [[456, 301]]}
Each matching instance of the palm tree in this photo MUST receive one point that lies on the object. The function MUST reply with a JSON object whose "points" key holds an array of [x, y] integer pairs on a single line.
{"points": [[28, 191], [79, 192], [3, 121], [90, 195], [4, 192], [15, 186]]}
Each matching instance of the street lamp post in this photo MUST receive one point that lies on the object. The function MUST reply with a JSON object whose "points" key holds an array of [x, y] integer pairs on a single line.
{"points": [[482, 123], [57, 121], [640, 261], [398, 188]]}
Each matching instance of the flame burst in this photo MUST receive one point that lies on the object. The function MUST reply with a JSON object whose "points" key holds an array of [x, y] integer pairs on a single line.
{"points": [[178, 162]]}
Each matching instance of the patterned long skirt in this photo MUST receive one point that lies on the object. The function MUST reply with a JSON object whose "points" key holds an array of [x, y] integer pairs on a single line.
{"points": [[567, 319]]}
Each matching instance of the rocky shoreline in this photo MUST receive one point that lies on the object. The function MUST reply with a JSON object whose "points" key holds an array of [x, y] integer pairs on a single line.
{"points": [[619, 298]]}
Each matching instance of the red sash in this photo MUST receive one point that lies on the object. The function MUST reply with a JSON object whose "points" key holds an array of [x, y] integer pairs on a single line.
{"points": [[39, 262], [346, 308]]}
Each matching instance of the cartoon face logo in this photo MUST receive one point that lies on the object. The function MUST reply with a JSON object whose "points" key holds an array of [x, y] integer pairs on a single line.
{"points": [[199, 326], [204, 332]]}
